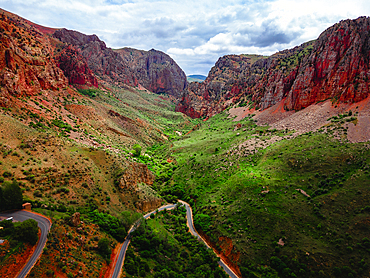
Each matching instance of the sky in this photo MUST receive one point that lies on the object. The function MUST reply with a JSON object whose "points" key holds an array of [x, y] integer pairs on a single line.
{"points": [[194, 33]]}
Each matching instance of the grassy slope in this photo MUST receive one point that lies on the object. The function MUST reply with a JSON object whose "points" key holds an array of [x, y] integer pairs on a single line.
{"points": [[49, 158], [73, 164], [218, 178], [320, 233]]}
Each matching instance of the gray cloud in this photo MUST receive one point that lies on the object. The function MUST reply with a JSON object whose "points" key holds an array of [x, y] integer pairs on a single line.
{"points": [[194, 33], [265, 35]]}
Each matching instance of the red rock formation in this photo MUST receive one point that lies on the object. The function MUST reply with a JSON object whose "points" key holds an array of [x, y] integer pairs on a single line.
{"points": [[102, 60], [131, 184], [75, 67], [134, 174], [334, 66], [154, 70], [338, 66], [26, 65]]}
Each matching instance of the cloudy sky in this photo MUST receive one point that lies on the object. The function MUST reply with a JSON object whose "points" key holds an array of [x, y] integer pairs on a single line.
{"points": [[194, 33]]}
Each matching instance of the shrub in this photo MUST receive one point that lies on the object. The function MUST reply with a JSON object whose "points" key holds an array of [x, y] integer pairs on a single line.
{"points": [[7, 174], [37, 193], [104, 248], [10, 196], [27, 231], [136, 150]]}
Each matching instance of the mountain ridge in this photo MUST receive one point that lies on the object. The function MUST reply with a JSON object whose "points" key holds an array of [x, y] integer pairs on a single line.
{"points": [[303, 75]]}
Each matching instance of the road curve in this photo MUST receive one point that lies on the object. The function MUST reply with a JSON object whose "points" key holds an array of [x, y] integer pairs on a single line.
{"points": [[122, 252], [43, 223], [189, 216]]}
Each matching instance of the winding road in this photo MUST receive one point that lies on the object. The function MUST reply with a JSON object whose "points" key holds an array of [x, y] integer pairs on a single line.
{"points": [[122, 253], [43, 223], [189, 217]]}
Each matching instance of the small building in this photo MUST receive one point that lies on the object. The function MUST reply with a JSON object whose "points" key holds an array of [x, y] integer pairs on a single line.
{"points": [[27, 206]]}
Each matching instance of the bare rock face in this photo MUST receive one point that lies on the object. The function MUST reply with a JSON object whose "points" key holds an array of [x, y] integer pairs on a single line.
{"points": [[153, 69], [335, 66], [149, 204], [26, 63], [338, 66], [136, 173], [136, 183], [75, 67], [75, 219], [34, 58], [103, 61]]}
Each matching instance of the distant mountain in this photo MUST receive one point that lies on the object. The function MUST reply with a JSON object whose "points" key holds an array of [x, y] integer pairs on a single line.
{"points": [[153, 69], [335, 66], [196, 78]]}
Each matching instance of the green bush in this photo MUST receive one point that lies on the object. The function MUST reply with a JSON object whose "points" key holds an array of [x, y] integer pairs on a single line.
{"points": [[202, 222], [27, 231], [136, 150], [10, 196], [104, 248]]}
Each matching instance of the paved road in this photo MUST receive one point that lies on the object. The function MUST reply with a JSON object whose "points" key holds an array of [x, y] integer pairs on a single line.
{"points": [[43, 223], [122, 252], [189, 217]]}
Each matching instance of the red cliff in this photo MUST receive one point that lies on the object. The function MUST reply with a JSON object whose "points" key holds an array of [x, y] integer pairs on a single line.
{"points": [[335, 66], [75, 67], [26, 63], [153, 69]]}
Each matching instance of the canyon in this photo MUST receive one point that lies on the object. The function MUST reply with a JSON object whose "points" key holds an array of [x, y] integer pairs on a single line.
{"points": [[240, 147]]}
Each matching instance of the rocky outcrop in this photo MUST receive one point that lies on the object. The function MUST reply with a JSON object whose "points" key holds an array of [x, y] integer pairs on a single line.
{"points": [[26, 63], [153, 69], [338, 66], [35, 58], [136, 173], [148, 204], [136, 182], [75, 219], [334, 66], [103, 61], [75, 67]]}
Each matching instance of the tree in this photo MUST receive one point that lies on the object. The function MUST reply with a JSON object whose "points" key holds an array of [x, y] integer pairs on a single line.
{"points": [[202, 222], [27, 231], [104, 248], [8, 227], [12, 197], [2, 201], [120, 234], [137, 150]]}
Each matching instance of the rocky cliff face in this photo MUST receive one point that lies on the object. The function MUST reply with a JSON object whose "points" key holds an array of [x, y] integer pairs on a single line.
{"points": [[103, 61], [135, 183], [35, 58], [335, 66], [134, 174], [75, 67], [26, 63], [154, 70]]}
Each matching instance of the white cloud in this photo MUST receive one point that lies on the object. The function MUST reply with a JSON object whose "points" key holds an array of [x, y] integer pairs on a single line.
{"points": [[194, 33]]}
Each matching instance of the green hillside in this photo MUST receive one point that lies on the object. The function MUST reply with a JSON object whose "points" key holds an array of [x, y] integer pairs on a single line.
{"points": [[297, 207]]}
